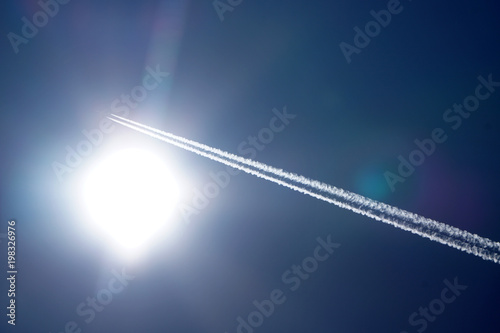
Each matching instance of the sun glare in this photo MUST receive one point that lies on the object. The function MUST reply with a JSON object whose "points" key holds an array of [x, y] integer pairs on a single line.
{"points": [[130, 196]]}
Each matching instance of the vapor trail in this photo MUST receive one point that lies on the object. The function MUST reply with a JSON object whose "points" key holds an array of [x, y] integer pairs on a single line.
{"points": [[434, 230]]}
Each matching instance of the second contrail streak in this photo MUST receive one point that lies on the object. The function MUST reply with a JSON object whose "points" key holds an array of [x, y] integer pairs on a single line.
{"points": [[422, 226]]}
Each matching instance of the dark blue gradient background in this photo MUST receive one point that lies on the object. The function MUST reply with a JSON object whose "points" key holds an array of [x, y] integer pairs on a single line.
{"points": [[353, 121]]}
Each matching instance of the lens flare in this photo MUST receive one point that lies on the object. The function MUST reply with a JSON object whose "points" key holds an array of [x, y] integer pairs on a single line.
{"points": [[129, 196]]}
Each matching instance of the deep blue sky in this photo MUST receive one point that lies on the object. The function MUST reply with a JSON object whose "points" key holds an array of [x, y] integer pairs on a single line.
{"points": [[352, 122]]}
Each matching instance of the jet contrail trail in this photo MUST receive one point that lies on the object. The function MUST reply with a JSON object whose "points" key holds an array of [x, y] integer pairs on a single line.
{"points": [[422, 226]]}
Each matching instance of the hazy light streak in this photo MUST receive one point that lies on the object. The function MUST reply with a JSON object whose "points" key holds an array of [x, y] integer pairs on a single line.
{"points": [[425, 227]]}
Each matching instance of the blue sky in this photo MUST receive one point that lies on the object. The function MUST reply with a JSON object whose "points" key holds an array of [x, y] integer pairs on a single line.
{"points": [[351, 123]]}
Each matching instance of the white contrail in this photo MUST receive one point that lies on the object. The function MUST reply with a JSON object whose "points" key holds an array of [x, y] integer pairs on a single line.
{"points": [[338, 193], [434, 230]]}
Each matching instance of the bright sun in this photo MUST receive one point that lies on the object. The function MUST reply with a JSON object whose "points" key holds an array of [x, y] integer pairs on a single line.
{"points": [[130, 195]]}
